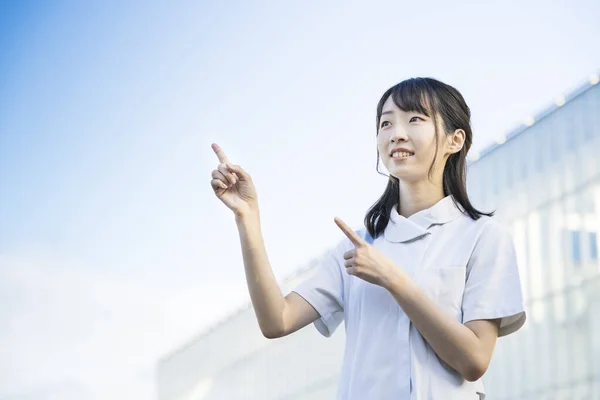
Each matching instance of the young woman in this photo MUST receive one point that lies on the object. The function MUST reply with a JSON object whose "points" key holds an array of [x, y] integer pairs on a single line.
{"points": [[430, 284]]}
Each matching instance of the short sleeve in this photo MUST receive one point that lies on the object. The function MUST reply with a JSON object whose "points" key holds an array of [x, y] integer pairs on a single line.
{"points": [[493, 286], [324, 290]]}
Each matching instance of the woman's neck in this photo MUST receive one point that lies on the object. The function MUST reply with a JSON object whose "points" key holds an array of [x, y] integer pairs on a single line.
{"points": [[418, 196]]}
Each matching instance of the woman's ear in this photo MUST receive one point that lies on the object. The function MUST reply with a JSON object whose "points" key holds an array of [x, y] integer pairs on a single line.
{"points": [[456, 140]]}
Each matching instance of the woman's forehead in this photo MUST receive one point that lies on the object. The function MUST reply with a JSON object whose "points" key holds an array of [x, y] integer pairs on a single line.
{"points": [[401, 102]]}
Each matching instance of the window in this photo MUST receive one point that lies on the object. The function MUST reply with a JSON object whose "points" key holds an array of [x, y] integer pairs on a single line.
{"points": [[571, 125], [590, 114], [553, 138], [575, 243], [494, 174], [538, 154], [509, 176], [524, 168], [588, 118], [593, 240], [556, 246]]}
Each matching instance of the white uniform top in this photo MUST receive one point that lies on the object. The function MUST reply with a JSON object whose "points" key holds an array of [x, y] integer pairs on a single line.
{"points": [[467, 267]]}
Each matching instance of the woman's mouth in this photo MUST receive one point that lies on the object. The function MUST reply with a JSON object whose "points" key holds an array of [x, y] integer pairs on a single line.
{"points": [[401, 155]]}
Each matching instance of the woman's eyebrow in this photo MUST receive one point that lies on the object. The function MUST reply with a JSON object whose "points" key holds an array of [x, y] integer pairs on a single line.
{"points": [[408, 112]]}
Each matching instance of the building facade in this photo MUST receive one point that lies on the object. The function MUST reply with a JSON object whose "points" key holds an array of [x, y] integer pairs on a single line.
{"points": [[543, 180], [232, 360]]}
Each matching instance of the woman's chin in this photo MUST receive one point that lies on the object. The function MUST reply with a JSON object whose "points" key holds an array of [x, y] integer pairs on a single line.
{"points": [[404, 175]]}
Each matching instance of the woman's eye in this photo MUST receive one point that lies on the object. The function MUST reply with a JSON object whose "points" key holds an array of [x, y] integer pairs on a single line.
{"points": [[384, 124], [411, 120]]}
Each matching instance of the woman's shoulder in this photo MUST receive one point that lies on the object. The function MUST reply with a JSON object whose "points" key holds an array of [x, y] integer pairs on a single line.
{"points": [[487, 226]]}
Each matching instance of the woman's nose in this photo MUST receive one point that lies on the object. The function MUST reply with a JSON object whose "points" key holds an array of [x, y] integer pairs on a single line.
{"points": [[399, 135]]}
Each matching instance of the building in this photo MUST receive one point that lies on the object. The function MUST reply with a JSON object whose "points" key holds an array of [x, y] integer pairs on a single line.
{"points": [[544, 180], [223, 363]]}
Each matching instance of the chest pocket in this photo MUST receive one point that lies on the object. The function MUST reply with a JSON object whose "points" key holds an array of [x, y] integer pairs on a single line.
{"points": [[445, 285]]}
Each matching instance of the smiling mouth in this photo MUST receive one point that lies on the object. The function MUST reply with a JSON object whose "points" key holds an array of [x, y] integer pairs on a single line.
{"points": [[401, 154]]}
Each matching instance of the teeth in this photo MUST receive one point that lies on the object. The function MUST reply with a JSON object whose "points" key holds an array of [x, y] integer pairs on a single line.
{"points": [[399, 154]]}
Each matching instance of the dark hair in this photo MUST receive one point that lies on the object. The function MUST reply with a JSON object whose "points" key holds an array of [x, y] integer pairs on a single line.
{"points": [[430, 97]]}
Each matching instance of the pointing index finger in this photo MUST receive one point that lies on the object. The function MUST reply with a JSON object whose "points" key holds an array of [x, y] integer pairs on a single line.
{"points": [[354, 238], [220, 154]]}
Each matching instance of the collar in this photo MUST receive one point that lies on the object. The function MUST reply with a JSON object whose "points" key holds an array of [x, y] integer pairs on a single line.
{"points": [[401, 229]]}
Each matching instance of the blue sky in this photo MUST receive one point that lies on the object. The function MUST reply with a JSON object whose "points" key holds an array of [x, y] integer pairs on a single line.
{"points": [[113, 248]]}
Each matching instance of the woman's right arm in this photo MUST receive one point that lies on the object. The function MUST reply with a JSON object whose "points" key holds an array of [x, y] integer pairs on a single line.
{"points": [[277, 315]]}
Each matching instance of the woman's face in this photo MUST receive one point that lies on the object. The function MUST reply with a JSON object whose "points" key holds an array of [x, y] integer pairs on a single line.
{"points": [[406, 143]]}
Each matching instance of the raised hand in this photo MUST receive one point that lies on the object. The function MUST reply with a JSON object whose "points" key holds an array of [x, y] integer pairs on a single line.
{"points": [[233, 186], [366, 262]]}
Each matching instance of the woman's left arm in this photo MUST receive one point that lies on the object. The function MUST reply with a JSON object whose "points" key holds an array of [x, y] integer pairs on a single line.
{"points": [[466, 348]]}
